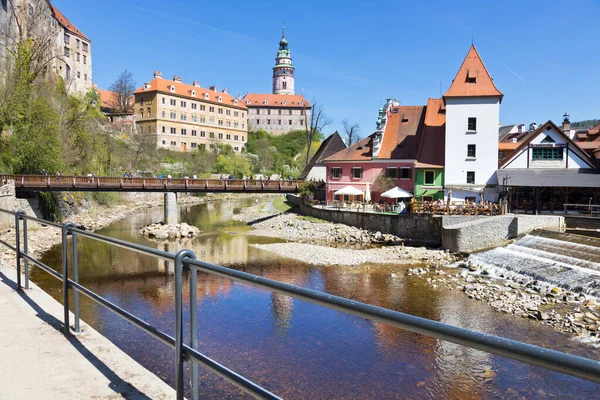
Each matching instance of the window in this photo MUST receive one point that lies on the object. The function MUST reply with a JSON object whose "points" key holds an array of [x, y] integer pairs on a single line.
{"points": [[471, 153], [78, 57], [183, 104], [85, 46], [183, 117], [500, 153], [194, 145], [236, 137], [194, 106], [301, 122], [77, 42], [220, 122], [235, 113], [173, 115], [164, 130], [202, 107], [243, 115], [284, 84], [548, 153], [236, 148], [173, 131], [220, 136], [173, 102], [164, 114], [164, 142], [228, 123], [258, 122], [67, 52], [290, 121], [429, 177], [173, 143], [164, 100], [211, 120], [279, 121], [202, 133], [472, 124], [405, 173], [336, 173], [392, 172], [471, 177], [194, 132], [194, 118], [227, 112], [85, 77], [212, 135], [268, 122], [269, 112], [356, 173], [211, 109], [183, 131], [236, 124], [228, 137], [78, 75], [279, 112], [202, 119], [243, 125], [219, 111], [85, 59], [67, 39]]}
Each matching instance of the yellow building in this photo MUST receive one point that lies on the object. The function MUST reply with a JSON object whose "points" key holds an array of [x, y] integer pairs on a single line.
{"points": [[185, 117]]}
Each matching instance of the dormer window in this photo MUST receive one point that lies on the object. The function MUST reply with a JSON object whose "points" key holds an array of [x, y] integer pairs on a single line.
{"points": [[220, 99], [300, 103], [234, 101], [146, 86], [265, 102], [283, 103], [471, 76], [247, 101], [193, 93], [206, 96], [172, 88]]}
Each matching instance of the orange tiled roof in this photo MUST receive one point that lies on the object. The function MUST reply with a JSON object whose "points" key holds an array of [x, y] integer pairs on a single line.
{"points": [[182, 89], [472, 68], [359, 151], [432, 147], [64, 21], [595, 130], [108, 99], [275, 100], [402, 133]]}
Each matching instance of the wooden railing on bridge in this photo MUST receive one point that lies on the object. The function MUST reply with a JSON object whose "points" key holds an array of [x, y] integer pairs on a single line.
{"points": [[36, 183]]}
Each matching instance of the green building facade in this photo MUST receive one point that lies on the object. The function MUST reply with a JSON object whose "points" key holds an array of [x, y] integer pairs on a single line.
{"points": [[429, 184]]}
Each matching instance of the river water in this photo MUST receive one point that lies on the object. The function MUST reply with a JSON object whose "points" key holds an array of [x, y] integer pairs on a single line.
{"points": [[299, 350]]}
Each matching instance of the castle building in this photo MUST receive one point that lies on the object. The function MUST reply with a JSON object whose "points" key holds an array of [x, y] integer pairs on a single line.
{"points": [[185, 117], [283, 110]]}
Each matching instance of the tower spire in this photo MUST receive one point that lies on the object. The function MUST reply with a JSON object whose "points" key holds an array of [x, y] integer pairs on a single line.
{"points": [[283, 30], [283, 71]]}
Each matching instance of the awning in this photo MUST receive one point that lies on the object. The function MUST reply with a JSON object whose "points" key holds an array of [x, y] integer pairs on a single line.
{"points": [[579, 178], [348, 190]]}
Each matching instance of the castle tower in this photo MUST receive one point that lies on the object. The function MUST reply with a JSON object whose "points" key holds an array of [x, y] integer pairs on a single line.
{"points": [[283, 71]]}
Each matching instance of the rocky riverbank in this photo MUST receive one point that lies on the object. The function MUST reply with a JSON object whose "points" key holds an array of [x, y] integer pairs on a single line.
{"points": [[160, 231], [565, 311]]}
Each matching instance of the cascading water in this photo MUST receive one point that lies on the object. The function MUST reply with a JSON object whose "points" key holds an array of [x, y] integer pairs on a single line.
{"points": [[560, 259]]}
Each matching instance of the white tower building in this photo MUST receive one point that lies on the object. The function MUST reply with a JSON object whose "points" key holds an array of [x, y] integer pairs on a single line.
{"points": [[283, 71], [472, 120]]}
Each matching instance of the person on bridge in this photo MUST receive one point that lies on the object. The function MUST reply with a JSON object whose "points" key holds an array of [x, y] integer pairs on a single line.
{"points": [[58, 176], [44, 173]]}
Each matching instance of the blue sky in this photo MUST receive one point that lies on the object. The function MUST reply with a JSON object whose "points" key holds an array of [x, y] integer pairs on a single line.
{"points": [[351, 55]]}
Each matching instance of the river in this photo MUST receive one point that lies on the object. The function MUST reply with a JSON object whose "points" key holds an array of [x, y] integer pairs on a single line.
{"points": [[299, 350]]}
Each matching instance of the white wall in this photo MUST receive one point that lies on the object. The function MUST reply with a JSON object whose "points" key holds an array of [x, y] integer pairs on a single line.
{"points": [[317, 173], [487, 112]]}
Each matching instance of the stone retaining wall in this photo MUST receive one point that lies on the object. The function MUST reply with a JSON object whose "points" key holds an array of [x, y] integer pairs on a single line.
{"points": [[494, 231], [8, 201]]}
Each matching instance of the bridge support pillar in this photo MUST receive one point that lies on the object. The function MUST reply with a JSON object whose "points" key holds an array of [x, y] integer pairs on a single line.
{"points": [[171, 209]]}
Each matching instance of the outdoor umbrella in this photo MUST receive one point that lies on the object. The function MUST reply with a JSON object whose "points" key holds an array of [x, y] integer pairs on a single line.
{"points": [[397, 193], [367, 194], [348, 190]]}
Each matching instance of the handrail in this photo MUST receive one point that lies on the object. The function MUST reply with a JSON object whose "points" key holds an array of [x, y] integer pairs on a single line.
{"points": [[550, 359]]}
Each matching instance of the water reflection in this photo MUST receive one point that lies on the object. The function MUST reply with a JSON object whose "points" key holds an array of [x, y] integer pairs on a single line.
{"points": [[297, 349]]}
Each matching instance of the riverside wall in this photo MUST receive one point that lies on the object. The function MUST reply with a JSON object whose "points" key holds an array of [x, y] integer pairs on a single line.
{"points": [[9, 202], [456, 233]]}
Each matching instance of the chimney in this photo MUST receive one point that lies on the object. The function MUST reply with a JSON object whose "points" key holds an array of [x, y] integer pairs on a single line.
{"points": [[177, 79], [196, 83], [566, 124], [224, 90], [532, 126], [213, 88], [157, 74], [520, 127]]}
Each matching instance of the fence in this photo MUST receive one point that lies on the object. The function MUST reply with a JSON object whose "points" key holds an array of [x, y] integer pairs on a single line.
{"points": [[583, 209], [186, 260]]}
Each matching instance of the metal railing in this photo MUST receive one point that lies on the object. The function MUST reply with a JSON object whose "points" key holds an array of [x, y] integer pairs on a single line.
{"points": [[107, 183], [583, 209], [186, 260]]}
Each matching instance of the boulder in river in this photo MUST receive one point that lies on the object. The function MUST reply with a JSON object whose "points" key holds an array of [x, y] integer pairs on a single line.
{"points": [[160, 231]]}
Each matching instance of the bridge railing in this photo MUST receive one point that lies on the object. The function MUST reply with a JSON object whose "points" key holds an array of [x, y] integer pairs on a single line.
{"points": [[185, 260], [68, 182]]}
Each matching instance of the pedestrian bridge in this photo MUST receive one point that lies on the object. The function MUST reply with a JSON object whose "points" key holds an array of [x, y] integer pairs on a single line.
{"points": [[40, 183]]}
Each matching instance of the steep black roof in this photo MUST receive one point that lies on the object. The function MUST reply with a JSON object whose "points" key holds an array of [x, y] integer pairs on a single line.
{"points": [[330, 146]]}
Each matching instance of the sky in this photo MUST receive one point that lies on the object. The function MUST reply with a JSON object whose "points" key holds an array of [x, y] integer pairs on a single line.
{"points": [[351, 55]]}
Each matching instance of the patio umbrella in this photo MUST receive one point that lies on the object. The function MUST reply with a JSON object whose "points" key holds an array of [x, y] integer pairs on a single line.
{"points": [[348, 190], [367, 194], [397, 193]]}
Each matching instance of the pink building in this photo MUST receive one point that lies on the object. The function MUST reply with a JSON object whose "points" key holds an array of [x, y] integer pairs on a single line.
{"points": [[391, 150]]}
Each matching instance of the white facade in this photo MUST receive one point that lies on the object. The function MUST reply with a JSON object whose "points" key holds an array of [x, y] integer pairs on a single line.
{"points": [[458, 163], [317, 173], [572, 158]]}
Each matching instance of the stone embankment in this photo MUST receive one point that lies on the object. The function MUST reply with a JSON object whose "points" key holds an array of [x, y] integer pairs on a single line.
{"points": [[161, 231], [565, 311]]}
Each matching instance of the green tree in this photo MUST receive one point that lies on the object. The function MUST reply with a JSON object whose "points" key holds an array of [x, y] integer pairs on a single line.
{"points": [[236, 164]]}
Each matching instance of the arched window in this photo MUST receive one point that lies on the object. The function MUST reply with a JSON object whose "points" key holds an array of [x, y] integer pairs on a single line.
{"points": [[149, 112], [141, 112]]}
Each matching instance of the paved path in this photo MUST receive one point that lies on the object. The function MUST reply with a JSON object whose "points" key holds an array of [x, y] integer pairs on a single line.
{"points": [[38, 362]]}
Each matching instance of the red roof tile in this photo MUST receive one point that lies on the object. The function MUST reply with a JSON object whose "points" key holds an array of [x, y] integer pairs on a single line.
{"points": [[275, 100], [473, 79], [401, 138], [359, 151], [66, 23], [108, 99], [433, 140], [182, 89]]}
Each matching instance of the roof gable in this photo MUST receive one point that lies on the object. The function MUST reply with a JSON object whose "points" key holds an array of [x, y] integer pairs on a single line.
{"points": [[403, 132], [359, 151], [329, 147], [432, 146], [473, 79]]}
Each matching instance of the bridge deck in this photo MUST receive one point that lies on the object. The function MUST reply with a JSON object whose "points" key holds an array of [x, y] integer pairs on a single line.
{"points": [[39, 183]]}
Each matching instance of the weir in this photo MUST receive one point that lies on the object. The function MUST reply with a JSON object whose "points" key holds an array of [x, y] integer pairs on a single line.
{"points": [[557, 259]]}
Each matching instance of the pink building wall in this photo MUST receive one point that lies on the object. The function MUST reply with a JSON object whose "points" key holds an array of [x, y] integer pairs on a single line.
{"points": [[371, 171]]}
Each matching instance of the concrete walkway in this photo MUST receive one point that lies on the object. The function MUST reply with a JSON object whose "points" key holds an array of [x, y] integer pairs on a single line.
{"points": [[38, 362]]}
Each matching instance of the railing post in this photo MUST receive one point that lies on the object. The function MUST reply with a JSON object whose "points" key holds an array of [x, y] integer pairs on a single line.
{"points": [[194, 328], [65, 273], [75, 261], [26, 251], [179, 359], [18, 215]]}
